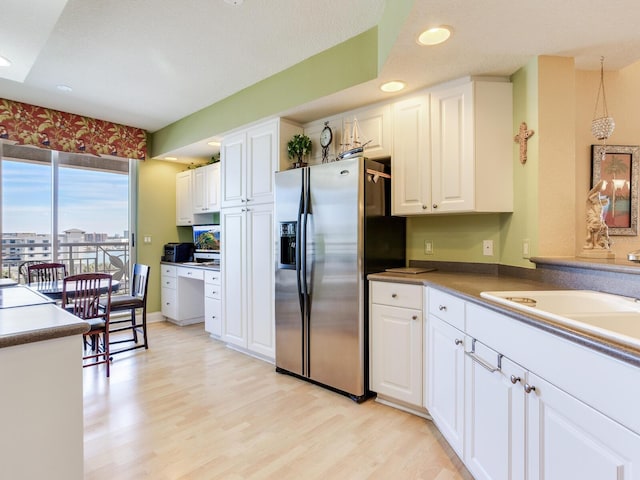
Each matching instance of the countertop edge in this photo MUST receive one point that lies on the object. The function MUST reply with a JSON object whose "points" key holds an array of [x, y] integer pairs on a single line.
{"points": [[215, 268], [457, 284], [43, 334]]}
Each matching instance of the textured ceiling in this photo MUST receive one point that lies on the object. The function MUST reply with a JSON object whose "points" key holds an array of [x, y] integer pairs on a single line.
{"points": [[148, 63]]}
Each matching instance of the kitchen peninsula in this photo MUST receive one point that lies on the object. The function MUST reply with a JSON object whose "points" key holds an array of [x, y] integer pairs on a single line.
{"points": [[41, 377]]}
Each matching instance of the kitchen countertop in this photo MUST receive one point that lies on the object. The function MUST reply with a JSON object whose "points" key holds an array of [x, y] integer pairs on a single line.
{"points": [[200, 265], [469, 285], [31, 322]]}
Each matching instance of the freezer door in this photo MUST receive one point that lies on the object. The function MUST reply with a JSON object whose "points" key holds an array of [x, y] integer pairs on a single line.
{"points": [[289, 299], [336, 339]]}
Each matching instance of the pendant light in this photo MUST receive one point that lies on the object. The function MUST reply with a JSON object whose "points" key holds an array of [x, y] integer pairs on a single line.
{"points": [[602, 125]]}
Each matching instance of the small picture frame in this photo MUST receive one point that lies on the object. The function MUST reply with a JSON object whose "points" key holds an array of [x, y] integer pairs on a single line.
{"points": [[618, 166]]}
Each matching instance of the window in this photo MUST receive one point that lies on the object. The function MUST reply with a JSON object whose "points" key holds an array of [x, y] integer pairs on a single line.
{"points": [[78, 204]]}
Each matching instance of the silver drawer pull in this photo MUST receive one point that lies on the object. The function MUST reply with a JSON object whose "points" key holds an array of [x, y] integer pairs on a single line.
{"points": [[442, 308], [481, 362], [415, 317], [515, 379], [458, 341], [529, 388]]}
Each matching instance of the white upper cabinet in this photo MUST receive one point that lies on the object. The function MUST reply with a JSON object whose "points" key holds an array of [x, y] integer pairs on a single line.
{"points": [[411, 160], [249, 160], [472, 147], [206, 189], [374, 125], [184, 198], [452, 149]]}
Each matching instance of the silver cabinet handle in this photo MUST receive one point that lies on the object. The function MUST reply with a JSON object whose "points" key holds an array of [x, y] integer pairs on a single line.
{"points": [[424, 207], [458, 341], [189, 273], [213, 292], [415, 317], [435, 205], [515, 379], [442, 308], [483, 363], [394, 295], [529, 388]]}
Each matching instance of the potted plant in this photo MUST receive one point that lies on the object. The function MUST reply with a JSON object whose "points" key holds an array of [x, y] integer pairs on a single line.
{"points": [[298, 147]]}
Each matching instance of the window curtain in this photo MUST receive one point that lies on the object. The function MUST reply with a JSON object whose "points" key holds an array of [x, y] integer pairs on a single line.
{"points": [[31, 125]]}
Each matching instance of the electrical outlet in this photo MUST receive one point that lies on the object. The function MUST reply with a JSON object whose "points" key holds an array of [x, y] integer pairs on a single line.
{"points": [[147, 239], [525, 248], [428, 247], [487, 248]]}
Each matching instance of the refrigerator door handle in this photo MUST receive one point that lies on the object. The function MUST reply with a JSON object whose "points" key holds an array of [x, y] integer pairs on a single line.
{"points": [[299, 252]]}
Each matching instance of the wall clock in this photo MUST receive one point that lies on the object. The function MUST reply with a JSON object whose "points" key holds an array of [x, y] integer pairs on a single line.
{"points": [[326, 137]]}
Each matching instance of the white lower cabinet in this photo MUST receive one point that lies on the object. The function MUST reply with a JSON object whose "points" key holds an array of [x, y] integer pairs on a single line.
{"points": [[181, 294], [247, 264], [396, 342], [212, 307], [494, 415], [568, 439], [445, 367], [503, 416]]}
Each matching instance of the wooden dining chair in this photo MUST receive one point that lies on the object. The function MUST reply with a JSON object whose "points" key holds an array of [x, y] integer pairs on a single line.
{"points": [[88, 296], [137, 299], [46, 272]]}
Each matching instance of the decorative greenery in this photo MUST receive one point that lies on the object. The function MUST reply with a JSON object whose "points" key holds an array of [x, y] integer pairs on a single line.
{"points": [[298, 146]]}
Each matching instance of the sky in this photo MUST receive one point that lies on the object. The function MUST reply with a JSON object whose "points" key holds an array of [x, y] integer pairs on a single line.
{"points": [[88, 200]]}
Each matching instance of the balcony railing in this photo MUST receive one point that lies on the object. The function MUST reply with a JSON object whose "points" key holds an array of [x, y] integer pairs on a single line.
{"points": [[79, 257]]}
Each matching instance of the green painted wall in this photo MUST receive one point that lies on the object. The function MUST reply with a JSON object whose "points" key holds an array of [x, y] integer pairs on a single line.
{"points": [[393, 18], [156, 218], [523, 223]]}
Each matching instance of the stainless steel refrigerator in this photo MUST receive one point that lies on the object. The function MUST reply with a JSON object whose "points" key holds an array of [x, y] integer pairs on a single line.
{"points": [[333, 228]]}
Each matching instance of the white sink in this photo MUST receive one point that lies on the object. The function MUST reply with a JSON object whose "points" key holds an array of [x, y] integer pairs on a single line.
{"points": [[611, 316]]}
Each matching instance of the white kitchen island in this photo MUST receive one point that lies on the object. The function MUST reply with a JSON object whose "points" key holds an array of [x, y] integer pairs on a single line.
{"points": [[41, 409]]}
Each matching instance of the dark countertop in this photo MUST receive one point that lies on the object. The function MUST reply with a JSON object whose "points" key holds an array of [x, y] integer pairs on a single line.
{"points": [[469, 285]]}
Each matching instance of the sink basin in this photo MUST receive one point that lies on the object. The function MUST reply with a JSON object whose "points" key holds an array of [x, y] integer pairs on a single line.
{"points": [[614, 317]]}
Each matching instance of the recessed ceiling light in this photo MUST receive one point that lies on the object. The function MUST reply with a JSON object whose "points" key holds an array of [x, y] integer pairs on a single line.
{"points": [[4, 61], [64, 88], [393, 86], [434, 36], [173, 159], [213, 144]]}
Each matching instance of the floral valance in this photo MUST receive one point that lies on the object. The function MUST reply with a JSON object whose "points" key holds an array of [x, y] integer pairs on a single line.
{"points": [[66, 132]]}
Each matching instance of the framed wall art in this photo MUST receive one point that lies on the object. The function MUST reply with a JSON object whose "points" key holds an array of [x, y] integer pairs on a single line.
{"points": [[618, 166]]}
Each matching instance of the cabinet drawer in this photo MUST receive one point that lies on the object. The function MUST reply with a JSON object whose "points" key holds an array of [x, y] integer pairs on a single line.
{"points": [[213, 291], [168, 270], [196, 273], [212, 276], [168, 282], [447, 308], [169, 303], [397, 294]]}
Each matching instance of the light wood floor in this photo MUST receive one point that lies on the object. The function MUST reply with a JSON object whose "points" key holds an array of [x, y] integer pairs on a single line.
{"points": [[190, 408]]}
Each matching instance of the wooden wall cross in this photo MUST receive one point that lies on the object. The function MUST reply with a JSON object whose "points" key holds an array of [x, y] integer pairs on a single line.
{"points": [[521, 138]]}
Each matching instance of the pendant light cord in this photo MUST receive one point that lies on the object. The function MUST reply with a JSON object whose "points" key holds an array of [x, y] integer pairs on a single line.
{"points": [[604, 95]]}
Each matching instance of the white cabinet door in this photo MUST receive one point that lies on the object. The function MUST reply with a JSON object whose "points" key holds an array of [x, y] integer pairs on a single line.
{"points": [[445, 364], [184, 198], [259, 278], [568, 439], [411, 165], [212, 182], [232, 265], [396, 353], [199, 193], [494, 416], [374, 124], [233, 156], [212, 316], [452, 147], [262, 162]]}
